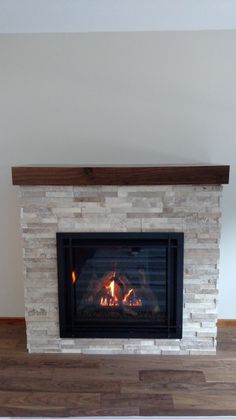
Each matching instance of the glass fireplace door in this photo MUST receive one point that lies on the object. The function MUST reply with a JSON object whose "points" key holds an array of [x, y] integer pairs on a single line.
{"points": [[120, 284]]}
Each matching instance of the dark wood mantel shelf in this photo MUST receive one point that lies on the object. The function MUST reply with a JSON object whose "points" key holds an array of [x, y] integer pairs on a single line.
{"points": [[85, 176]]}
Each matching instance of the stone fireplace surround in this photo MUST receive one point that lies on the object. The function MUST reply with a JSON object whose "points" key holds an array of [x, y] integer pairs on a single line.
{"points": [[192, 209]]}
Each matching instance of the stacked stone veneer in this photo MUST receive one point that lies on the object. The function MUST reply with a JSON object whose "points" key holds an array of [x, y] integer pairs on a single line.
{"points": [[194, 210]]}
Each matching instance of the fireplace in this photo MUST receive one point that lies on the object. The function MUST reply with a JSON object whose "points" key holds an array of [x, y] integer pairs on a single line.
{"points": [[119, 215], [120, 285]]}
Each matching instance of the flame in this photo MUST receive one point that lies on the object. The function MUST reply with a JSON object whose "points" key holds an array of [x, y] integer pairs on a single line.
{"points": [[73, 277], [113, 297], [111, 288], [127, 295], [105, 302]]}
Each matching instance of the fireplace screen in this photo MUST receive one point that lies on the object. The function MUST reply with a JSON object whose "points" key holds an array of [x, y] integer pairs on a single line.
{"points": [[120, 285]]}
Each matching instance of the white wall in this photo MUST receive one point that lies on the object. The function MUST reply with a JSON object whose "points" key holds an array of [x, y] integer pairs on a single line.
{"points": [[109, 98], [55, 16]]}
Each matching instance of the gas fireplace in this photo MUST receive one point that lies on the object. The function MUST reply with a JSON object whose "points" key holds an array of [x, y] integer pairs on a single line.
{"points": [[120, 285]]}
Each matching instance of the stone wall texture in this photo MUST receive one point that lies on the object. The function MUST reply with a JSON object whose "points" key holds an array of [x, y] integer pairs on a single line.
{"points": [[194, 210]]}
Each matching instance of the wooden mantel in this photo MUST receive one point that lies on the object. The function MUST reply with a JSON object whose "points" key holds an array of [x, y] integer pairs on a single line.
{"points": [[85, 176]]}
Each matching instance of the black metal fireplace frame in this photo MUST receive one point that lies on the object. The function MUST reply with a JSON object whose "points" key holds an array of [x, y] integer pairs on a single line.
{"points": [[173, 330]]}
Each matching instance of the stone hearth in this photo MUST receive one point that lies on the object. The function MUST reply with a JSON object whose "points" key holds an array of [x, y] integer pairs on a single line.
{"points": [[194, 210]]}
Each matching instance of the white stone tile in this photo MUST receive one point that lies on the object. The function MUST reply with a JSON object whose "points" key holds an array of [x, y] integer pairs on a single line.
{"points": [[190, 209]]}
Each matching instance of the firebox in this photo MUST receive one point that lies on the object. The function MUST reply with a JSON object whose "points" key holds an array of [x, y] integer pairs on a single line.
{"points": [[120, 285]]}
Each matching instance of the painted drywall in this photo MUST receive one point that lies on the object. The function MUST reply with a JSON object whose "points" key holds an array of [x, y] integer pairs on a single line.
{"points": [[50, 16], [128, 98]]}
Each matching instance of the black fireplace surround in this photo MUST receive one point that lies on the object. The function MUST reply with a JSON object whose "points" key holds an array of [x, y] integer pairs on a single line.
{"points": [[120, 285]]}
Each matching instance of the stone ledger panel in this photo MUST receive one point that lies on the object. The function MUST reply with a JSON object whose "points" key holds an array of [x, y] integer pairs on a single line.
{"points": [[194, 210]]}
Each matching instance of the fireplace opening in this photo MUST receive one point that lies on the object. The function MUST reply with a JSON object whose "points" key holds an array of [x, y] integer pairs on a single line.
{"points": [[120, 285]]}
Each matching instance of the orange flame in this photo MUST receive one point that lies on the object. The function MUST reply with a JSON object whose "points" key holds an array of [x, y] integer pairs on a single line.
{"points": [[114, 299], [127, 295], [111, 288], [105, 302], [73, 277]]}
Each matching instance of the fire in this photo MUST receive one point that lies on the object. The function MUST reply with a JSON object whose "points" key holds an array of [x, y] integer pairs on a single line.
{"points": [[111, 287], [73, 277], [127, 295], [114, 295], [105, 302]]}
